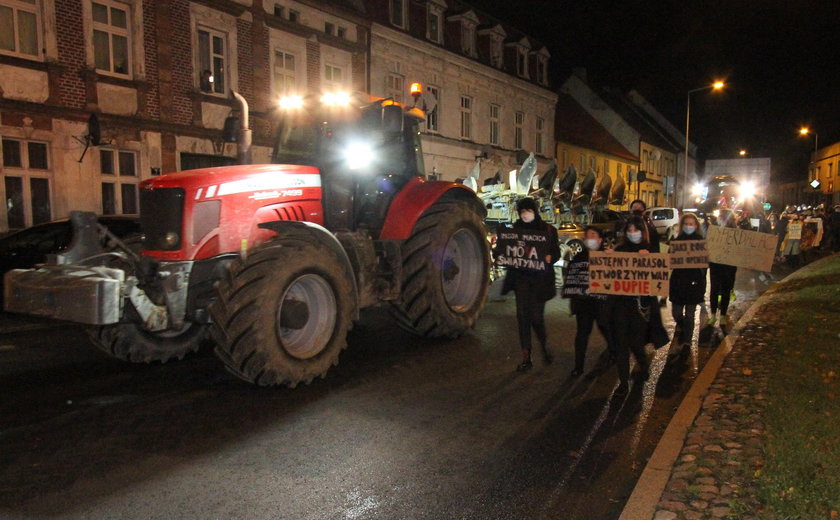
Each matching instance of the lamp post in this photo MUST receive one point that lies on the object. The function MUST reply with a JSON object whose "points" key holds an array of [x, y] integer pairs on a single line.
{"points": [[805, 131], [743, 153], [717, 85]]}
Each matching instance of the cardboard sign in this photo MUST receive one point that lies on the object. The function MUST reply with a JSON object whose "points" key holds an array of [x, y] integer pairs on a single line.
{"points": [[522, 249], [576, 282], [688, 254], [742, 248], [629, 274], [794, 230]]}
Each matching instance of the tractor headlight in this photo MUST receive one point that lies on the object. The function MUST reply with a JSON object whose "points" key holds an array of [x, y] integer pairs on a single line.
{"points": [[358, 156], [171, 239]]}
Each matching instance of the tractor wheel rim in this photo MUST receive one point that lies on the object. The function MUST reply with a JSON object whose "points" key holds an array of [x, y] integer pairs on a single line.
{"points": [[313, 335], [462, 275]]}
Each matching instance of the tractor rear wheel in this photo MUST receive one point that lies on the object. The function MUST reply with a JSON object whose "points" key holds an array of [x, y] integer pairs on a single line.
{"points": [[282, 315], [446, 262], [130, 342]]}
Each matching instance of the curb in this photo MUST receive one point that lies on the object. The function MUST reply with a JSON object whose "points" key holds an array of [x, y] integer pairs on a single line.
{"points": [[649, 488]]}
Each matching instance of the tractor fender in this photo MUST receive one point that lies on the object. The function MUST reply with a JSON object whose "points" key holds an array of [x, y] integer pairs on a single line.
{"points": [[415, 198], [314, 232]]}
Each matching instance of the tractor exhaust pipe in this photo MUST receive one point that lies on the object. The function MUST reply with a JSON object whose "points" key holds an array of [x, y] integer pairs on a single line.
{"points": [[243, 137]]}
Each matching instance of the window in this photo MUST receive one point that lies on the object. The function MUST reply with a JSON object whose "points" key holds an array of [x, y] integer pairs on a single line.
{"points": [[26, 183], [111, 38], [119, 181], [398, 13], [582, 163], [466, 117], [522, 63], [468, 39], [607, 166], [294, 16], [395, 87], [333, 77], [592, 162], [538, 148], [278, 10], [542, 71], [432, 116], [617, 171], [518, 122], [342, 32], [284, 72], [212, 58], [433, 26], [20, 32], [495, 111], [329, 28], [496, 59]]}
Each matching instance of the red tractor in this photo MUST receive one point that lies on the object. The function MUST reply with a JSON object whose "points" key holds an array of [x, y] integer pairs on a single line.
{"points": [[275, 262]]}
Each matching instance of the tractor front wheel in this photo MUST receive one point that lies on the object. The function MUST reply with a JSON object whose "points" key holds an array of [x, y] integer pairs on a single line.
{"points": [[446, 262], [282, 315]]}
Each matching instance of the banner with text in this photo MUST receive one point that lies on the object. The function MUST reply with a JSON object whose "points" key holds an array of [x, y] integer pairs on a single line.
{"points": [[522, 249], [740, 247], [629, 274], [688, 254]]}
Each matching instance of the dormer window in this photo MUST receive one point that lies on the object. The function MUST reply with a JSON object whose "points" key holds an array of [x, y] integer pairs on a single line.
{"points": [[522, 62], [492, 44], [468, 39], [541, 66], [434, 23], [398, 13], [496, 56]]}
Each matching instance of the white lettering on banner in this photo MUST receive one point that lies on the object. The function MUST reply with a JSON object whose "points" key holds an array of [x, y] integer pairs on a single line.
{"points": [[268, 183], [629, 274]]}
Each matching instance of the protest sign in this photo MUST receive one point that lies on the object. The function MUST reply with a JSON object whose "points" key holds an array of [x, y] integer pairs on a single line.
{"points": [[522, 249], [576, 282], [794, 230], [742, 248], [688, 254], [628, 274]]}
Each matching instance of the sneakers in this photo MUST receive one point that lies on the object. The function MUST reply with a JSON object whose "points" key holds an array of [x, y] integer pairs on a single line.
{"points": [[732, 295], [524, 366]]}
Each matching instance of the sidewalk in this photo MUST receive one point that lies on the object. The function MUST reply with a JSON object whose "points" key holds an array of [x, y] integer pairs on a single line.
{"points": [[758, 434]]}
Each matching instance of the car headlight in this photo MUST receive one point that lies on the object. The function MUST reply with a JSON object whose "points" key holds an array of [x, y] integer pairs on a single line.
{"points": [[170, 239]]}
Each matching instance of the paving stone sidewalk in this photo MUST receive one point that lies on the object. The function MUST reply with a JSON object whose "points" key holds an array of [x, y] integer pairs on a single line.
{"points": [[714, 472]]}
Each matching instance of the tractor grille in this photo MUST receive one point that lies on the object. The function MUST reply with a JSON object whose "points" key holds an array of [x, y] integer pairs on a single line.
{"points": [[161, 213]]}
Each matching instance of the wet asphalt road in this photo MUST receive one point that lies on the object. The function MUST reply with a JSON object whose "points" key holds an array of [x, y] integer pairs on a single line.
{"points": [[402, 428]]}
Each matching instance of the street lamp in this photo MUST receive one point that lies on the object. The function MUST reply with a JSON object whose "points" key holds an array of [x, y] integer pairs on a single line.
{"points": [[717, 85], [742, 153], [805, 131]]}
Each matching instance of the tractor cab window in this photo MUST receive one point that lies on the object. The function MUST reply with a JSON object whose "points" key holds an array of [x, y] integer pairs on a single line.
{"points": [[297, 143]]}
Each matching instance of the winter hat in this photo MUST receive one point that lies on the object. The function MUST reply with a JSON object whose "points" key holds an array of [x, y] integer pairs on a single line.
{"points": [[526, 204]]}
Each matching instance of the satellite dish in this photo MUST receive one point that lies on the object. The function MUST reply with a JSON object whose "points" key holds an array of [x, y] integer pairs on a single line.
{"points": [[604, 186], [567, 183], [549, 178], [526, 173], [471, 183], [588, 185]]}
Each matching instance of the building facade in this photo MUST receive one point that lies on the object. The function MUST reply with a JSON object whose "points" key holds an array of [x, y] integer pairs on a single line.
{"points": [[487, 88], [826, 169], [159, 76]]}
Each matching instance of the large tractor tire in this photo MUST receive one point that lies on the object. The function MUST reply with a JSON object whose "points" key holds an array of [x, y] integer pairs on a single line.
{"points": [[282, 315], [446, 262], [130, 342]]}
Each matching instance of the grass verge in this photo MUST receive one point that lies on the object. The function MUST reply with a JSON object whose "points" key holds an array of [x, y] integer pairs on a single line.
{"points": [[801, 475]]}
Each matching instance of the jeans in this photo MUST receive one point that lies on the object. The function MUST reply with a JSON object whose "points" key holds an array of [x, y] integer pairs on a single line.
{"points": [[530, 311]]}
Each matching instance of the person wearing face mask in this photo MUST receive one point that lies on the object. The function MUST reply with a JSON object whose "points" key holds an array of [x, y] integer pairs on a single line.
{"points": [[687, 290], [638, 208], [588, 309], [532, 289], [722, 283], [628, 316]]}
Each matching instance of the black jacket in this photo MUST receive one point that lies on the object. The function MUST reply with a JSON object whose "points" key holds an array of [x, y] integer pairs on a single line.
{"points": [[687, 286], [553, 249]]}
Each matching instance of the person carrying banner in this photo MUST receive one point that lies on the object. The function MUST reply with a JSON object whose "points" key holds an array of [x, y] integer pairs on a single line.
{"points": [[587, 308], [532, 288], [687, 290], [722, 285], [628, 317]]}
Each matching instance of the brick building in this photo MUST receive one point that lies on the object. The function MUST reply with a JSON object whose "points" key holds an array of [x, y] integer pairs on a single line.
{"points": [[159, 75]]}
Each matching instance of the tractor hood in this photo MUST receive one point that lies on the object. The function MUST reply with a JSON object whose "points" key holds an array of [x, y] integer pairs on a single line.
{"points": [[237, 179]]}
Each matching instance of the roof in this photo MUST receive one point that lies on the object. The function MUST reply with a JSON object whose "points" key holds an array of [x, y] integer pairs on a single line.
{"points": [[649, 130], [575, 126]]}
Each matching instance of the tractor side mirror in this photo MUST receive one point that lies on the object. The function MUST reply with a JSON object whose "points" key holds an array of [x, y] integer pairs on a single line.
{"points": [[392, 119]]}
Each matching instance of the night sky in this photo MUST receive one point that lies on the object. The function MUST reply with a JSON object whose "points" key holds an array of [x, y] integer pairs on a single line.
{"points": [[781, 60]]}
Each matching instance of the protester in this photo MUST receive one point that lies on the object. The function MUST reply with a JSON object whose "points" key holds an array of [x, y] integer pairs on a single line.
{"points": [[834, 224], [722, 285], [588, 309], [638, 208], [628, 316], [532, 289], [791, 245], [687, 289]]}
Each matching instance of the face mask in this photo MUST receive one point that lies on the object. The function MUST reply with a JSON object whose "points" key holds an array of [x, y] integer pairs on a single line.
{"points": [[527, 216], [638, 212], [688, 230], [634, 236], [592, 243]]}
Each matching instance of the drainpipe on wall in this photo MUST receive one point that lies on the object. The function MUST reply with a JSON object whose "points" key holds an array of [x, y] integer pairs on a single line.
{"points": [[243, 138]]}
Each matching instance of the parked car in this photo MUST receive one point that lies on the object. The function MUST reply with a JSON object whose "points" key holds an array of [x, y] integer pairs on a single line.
{"points": [[28, 247], [571, 234], [663, 219]]}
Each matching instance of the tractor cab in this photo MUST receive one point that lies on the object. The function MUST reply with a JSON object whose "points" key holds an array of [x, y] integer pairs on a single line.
{"points": [[366, 149]]}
